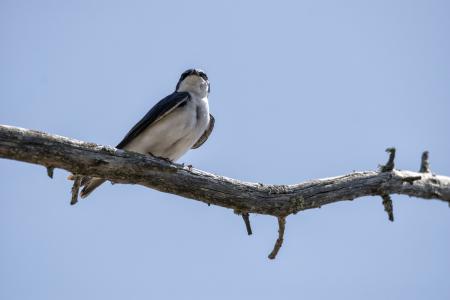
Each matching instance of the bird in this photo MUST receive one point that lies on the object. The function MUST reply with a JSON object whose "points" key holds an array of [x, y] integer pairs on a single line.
{"points": [[177, 123]]}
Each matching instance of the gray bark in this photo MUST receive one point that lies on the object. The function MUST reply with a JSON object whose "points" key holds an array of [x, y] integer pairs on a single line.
{"points": [[120, 166]]}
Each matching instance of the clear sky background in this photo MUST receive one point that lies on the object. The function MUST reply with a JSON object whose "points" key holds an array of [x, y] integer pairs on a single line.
{"points": [[299, 89]]}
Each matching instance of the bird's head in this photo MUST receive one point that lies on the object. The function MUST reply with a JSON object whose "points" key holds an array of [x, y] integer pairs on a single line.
{"points": [[194, 81]]}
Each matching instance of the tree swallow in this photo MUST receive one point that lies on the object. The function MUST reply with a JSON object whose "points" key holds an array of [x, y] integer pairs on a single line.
{"points": [[177, 123]]}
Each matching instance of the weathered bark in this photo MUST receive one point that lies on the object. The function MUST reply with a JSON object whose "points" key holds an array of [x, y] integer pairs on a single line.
{"points": [[279, 200], [120, 166]]}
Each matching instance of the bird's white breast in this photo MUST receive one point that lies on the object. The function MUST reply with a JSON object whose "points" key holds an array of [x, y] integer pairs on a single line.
{"points": [[176, 133]]}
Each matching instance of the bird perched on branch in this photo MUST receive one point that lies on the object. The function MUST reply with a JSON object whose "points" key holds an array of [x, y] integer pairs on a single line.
{"points": [[179, 122]]}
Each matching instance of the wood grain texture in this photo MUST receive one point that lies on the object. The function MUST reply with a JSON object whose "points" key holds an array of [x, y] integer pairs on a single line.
{"points": [[119, 166]]}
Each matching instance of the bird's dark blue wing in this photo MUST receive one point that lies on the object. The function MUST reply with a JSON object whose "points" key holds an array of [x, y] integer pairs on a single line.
{"points": [[159, 110]]}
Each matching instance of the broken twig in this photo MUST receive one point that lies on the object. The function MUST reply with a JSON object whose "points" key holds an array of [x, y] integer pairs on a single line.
{"points": [[388, 208], [389, 166], [246, 218], [75, 189], [279, 242], [424, 165]]}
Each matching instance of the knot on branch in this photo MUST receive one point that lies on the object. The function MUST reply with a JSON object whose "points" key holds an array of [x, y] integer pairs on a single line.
{"points": [[411, 179], [389, 166], [296, 204]]}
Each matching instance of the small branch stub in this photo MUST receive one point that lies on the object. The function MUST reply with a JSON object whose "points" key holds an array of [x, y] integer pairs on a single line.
{"points": [[389, 166], [248, 226], [75, 189], [388, 208], [424, 165], [279, 242], [50, 172]]}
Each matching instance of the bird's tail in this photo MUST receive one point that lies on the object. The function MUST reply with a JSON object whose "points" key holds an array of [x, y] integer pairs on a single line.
{"points": [[89, 184]]}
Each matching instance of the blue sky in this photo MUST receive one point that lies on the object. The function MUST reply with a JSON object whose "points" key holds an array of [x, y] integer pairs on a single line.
{"points": [[299, 89]]}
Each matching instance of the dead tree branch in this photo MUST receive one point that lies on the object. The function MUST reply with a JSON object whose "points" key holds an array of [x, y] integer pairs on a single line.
{"points": [[118, 166]]}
